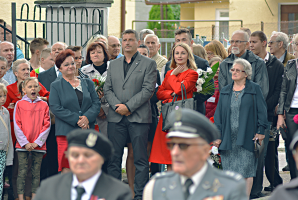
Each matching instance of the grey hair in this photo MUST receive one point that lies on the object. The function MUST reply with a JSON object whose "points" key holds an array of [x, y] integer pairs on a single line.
{"points": [[281, 37], [15, 64], [145, 31], [150, 36], [64, 44], [246, 37], [295, 38], [4, 60], [246, 66]]}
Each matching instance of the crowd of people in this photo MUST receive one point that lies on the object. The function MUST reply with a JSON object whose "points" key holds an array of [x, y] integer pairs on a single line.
{"points": [[46, 100]]}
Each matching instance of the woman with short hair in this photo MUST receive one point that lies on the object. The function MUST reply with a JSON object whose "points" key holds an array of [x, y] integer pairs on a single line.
{"points": [[241, 117]]}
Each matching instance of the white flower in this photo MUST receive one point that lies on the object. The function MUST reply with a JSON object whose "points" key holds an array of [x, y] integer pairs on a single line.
{"points": [[200, 81], [214, 150], [200, 72], [209, 70], [199, 88]]}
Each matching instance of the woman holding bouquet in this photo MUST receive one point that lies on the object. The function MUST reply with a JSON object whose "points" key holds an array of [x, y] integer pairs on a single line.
{"points": [[183, 70], [241, 117], [98, 63], [74, 103]]}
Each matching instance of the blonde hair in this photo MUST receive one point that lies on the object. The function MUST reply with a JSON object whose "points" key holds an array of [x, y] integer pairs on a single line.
{"points": [[3, 88], [96, 37], [27, 80], [199, 50], [15, 64], [190, 60], [217, 48]]}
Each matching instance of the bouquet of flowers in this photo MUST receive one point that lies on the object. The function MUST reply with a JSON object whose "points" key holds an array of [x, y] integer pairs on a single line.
{"points": [[203, 85], [215, 156], [99, 83]]}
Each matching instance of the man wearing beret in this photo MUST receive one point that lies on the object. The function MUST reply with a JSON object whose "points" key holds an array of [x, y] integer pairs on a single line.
{"points": [[87, 151], [192, 177], [289, 191]]}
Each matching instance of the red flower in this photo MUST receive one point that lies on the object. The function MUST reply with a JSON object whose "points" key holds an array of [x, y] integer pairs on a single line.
{"points": [[295, 119]]}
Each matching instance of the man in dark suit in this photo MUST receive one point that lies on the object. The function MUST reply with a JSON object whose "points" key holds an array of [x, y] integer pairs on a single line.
{"points": [[87, 151], [130, 83], [184, 35], [289, 190]]}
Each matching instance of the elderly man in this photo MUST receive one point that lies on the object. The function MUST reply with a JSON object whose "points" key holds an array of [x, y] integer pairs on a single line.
{"points": [[87, 151], [7, 51], [143, 34], [3, 68], [289, 190], [193, 177], [47, 77], [239, 42], [184, 35], [152, 42], [114, 47], [278, 47], [275, 70]]}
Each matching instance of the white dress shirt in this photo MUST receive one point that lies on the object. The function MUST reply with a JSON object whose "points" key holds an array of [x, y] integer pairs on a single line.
{"points": [[88, 185], [294, 103], [266, 57], [196, 179], [57, 70]]}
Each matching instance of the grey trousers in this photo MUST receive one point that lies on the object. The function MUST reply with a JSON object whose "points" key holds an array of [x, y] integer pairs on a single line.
{"points": [[138, 133]]}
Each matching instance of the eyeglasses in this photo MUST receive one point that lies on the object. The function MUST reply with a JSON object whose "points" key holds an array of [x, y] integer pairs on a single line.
{"points": [[115, 45], [236, 41], [182, 146], [236, 70], [79, 58], [271, 42], [210, 54]]}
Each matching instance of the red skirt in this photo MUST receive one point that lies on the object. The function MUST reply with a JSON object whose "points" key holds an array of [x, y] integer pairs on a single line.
{"points": [[62, 147], [159, 152]]}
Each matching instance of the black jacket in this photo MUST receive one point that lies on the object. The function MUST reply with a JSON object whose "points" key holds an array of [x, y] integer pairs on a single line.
{"points": [[288, 87], [275, 71], [200, 98]]}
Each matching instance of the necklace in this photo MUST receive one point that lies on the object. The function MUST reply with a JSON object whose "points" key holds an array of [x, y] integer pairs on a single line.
{"points": [[237, 93]]}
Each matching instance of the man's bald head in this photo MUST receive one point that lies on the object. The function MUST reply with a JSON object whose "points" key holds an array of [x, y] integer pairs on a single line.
{"points": [[57, 48], [7, 51], [113, 46]]}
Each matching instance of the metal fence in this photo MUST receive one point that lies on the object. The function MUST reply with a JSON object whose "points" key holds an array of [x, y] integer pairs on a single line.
{"points": [[70, 25]]}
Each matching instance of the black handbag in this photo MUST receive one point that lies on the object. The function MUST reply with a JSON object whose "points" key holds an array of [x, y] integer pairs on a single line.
{"points": [[167, 108], [258, 148]]}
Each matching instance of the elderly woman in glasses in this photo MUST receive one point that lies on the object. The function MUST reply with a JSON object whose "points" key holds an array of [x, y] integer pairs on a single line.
{"points": [[241, 117]]}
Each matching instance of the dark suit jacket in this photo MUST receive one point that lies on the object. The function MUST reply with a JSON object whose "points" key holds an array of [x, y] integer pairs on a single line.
{"points": [[47, 77], [58, 187], [64, 104], [200, 98], [135, 90]]}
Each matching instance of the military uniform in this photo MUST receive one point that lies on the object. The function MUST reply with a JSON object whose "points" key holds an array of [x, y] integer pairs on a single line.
{"points": [[208, 183]]}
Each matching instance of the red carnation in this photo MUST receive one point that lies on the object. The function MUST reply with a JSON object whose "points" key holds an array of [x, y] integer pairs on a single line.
{"points": [[295, 119]]}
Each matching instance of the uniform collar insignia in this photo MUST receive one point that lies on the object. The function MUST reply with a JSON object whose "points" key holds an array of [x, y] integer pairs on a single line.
{"points": [[216, 184], [91, 140], [206, 185]]}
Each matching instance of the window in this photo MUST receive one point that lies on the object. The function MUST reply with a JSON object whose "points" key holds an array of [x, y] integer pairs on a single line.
{"points": [[222, 28]]}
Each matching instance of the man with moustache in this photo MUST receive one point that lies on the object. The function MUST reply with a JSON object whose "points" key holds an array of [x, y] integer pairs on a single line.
{"points": [[239, 43]]}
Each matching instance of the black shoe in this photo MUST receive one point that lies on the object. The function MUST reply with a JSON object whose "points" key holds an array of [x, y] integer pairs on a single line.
{"points": [[270, 188], [256, 196], [125, 181], [286, 168]]}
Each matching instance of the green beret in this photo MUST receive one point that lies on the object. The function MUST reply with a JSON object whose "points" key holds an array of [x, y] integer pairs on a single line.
{"points": [[91, 139]]}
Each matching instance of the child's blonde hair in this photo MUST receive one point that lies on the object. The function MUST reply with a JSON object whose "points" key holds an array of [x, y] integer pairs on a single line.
{"points": [[3, 88], [27, 80]]}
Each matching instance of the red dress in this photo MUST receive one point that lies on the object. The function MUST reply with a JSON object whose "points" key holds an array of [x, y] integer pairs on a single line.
{"points": [[13, 96], [211, 103], [160, 153]]}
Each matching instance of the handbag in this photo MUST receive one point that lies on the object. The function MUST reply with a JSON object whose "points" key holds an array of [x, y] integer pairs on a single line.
{"points": [[258, 148], [7, 133], [167, 108]]}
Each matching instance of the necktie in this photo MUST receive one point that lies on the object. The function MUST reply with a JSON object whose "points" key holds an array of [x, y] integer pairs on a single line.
{"points": [[59, 74], [187, 185], [80, 190]]}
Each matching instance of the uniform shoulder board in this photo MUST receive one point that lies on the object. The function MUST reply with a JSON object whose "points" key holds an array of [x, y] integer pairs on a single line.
{"points": [[233, 175], [163, 175]]}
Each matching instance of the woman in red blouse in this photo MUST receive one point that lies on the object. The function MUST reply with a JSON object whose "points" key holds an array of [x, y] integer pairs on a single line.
{"points": [[183, 70], [21, 68]]}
